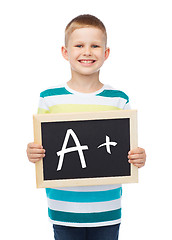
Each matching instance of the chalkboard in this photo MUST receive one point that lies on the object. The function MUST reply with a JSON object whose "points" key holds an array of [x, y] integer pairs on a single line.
{"points": [[86, 148]]}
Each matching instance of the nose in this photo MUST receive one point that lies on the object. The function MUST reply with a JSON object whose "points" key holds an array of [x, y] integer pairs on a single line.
{"points": [[87, 51]]}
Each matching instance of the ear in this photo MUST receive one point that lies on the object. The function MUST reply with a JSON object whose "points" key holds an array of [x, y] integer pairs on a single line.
{"points": [[107, 52], [64, 53]]}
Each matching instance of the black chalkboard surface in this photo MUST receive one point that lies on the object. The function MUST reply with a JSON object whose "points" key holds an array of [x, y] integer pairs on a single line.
{"points": [[86, 148]]}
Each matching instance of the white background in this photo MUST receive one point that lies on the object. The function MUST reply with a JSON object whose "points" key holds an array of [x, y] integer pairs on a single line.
{"points": [[140, 64]]}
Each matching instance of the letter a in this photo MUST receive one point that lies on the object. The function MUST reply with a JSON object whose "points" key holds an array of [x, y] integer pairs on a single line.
{"points": [[78, 148]]}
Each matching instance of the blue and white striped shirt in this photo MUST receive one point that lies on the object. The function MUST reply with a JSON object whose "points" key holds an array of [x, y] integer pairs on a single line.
{"points": [[86, 206]]}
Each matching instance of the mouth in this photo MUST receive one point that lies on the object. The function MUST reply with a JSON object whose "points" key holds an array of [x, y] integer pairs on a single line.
{"points": [[87, 61]]}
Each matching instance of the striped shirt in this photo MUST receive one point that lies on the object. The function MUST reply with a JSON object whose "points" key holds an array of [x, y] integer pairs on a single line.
{"points": [[86, 206]]}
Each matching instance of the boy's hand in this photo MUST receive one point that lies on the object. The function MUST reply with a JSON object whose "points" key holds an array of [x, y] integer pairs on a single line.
{"points": [[35, 152], [137, 157]]}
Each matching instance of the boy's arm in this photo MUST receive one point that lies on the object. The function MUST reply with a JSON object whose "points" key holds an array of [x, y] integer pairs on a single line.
{"points": [[137, 157], [35, 151]]}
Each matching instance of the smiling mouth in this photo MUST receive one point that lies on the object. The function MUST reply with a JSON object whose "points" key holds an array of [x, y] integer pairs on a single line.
{"points": [[86, 61]]}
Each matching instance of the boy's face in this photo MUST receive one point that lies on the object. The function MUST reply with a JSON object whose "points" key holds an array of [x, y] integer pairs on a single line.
{"points": [[86, 50]]}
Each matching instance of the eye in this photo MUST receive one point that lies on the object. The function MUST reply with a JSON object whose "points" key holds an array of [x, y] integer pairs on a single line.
{"points": [[79, 46], [95, 46]]}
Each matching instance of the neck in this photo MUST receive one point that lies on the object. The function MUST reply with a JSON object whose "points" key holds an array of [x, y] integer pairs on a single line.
{"points": [[85, 84]]}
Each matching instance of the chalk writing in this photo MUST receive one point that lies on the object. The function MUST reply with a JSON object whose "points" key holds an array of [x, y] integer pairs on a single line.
{"points": [[107, 144], [65, 150]]}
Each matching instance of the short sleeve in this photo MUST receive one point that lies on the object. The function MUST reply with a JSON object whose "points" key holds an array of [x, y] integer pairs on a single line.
{"points": [[42, 107], [127, 106]]}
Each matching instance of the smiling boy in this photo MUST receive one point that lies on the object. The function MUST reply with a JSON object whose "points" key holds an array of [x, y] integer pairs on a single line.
{"points": [[93, 212], [86, 51]]}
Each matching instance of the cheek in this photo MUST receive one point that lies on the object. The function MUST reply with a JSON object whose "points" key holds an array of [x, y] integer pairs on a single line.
{"points": [[73, 55], [101, 58], [101, 55]]}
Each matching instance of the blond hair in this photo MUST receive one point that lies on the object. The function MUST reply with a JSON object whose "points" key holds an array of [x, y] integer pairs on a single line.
{"points": [[82, 21]]}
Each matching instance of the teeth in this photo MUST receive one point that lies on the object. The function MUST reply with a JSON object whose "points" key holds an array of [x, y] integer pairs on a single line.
{"points": [[87, 61]]}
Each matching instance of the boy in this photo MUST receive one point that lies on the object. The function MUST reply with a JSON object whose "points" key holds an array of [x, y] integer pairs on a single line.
{"points": [[93, 212]]}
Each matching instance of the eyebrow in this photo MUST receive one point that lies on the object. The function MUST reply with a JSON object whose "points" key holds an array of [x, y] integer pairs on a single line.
{"points": [[82, 42]]}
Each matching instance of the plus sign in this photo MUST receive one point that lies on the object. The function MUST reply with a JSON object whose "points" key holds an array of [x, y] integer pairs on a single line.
{"points": [[107, 144]]}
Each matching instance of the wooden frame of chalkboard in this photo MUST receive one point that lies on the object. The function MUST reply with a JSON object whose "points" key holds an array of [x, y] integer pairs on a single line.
{"points": [[122, 122]]}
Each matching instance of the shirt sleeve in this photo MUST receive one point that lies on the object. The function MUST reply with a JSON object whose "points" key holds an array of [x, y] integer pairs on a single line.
{"points": [[42, 107], [127, 106]]}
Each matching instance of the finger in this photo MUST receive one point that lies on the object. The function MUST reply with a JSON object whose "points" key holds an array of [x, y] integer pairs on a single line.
{"points": [[36, 151], [138, 165], [36, 156], [35, 160], [136, 156], [34, 145], [137, 150], [137, 162]]}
